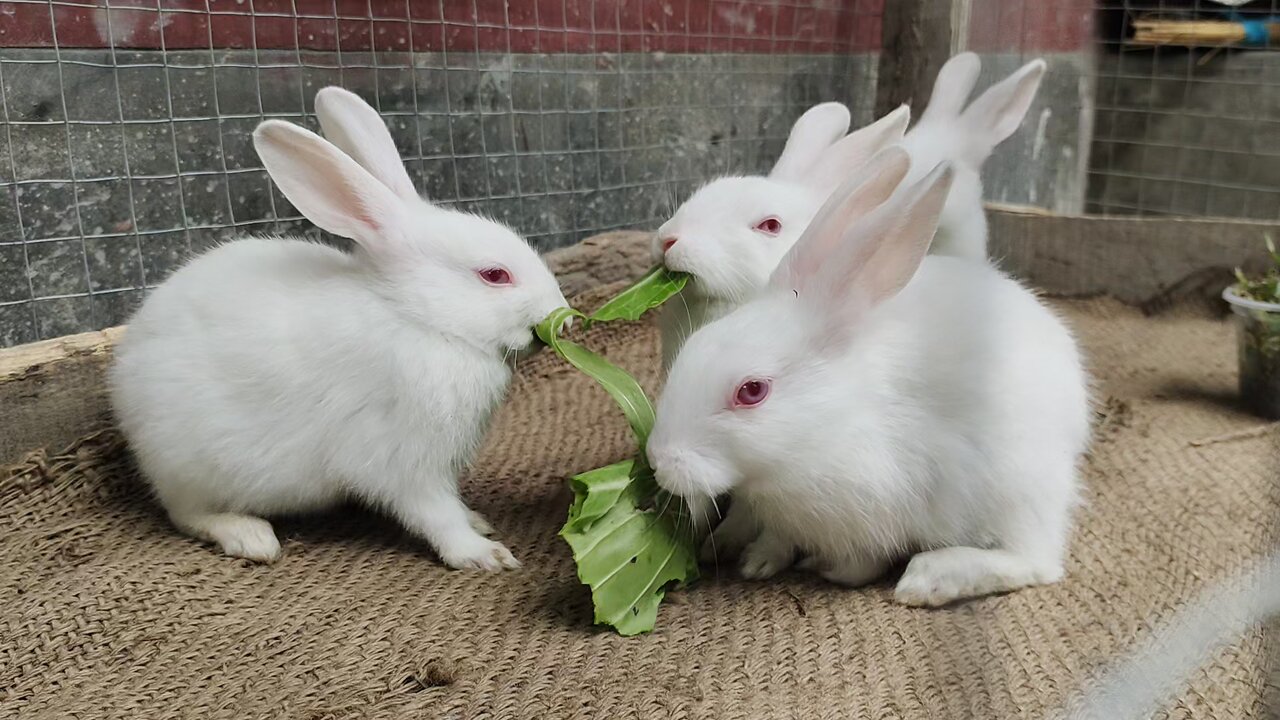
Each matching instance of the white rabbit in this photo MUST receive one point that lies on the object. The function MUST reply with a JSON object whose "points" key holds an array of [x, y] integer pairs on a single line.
{"points": [[733, 231], [948, 131], [873, 403], [274, 376]]}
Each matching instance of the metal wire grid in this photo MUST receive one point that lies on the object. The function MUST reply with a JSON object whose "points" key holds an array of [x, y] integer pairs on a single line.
{"points": [[1187, 130], [555, 166]]}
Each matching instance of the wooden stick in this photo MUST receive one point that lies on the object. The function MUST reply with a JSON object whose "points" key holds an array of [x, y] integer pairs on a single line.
{"points": [[1194, 32], [1252, 432]]}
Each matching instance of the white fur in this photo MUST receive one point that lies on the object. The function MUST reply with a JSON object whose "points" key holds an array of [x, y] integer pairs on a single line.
{"points": [[276, 375], [716, 239], [730, 261], [965, 136], [919, 405], [1137, 684]]}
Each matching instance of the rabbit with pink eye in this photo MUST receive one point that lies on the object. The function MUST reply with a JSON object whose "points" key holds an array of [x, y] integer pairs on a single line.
{"points": [[965, 135], [733, 231], [277, 376], [874, 403]]}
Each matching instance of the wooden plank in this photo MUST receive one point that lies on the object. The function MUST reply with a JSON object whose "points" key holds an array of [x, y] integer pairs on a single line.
{"points": [[53, 392], [918, 36]]}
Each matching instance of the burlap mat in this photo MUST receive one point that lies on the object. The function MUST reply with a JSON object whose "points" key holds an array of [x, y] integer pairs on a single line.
{"points": [[109, 613]]}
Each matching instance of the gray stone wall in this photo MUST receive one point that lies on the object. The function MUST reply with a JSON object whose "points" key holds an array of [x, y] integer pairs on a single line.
{"points": [[115, 167]]}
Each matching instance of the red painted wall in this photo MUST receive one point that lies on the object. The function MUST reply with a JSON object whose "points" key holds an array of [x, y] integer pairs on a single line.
{"points": [[1030, 26], [756, 26], [791, 26]]}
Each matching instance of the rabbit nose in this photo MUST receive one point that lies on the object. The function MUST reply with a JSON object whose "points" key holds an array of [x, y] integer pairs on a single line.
{"points": [[667, 243]]}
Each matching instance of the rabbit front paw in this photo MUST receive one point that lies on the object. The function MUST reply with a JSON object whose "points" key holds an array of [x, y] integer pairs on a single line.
{"points": [[480, 554], [730, 537], [765, 557]]}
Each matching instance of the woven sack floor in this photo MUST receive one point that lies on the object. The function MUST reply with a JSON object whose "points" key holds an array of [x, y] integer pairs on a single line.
{"points": [[107, 612]]}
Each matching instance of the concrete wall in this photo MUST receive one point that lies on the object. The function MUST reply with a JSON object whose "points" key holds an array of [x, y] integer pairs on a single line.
{"points": [[125, 144]]}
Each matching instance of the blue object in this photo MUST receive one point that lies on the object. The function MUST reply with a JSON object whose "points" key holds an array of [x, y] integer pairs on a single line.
{"points": [[1255, 32]]}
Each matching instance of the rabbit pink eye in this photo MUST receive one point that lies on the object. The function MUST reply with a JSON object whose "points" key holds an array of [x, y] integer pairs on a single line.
{"points": [[751, 393], [770, 225], [495, 276]]}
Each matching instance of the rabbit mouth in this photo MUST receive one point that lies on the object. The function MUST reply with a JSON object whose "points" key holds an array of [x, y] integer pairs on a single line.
{"points": [[695, 288], [675, 262], [533, 347], [717, 286], [688, 475]]}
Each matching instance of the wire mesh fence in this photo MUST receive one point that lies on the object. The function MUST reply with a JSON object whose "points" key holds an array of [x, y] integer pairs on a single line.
{"points": [[1188, 109], [126, 142]]}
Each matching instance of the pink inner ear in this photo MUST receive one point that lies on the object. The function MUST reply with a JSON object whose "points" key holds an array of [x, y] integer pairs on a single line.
{"points": [[363, 210]]}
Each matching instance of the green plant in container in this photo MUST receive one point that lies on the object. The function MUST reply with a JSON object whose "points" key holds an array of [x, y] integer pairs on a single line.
{"points": [[1256, 304]]}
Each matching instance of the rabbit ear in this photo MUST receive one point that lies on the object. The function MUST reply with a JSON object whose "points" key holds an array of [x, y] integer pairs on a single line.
{"points": [[328, 187], [895, 239], [815, 131], [356, 129], [858, 196], [875, 257], [853, 151], [952, 87], [998, 112]]}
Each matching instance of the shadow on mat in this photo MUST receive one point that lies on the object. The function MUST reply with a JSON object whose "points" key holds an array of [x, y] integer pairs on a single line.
{"points": [[566, 603], [1190, 391], [116, 490]]}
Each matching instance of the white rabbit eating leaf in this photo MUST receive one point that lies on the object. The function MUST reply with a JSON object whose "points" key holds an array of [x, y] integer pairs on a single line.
{"points": [[874, 404], [276, 376]]}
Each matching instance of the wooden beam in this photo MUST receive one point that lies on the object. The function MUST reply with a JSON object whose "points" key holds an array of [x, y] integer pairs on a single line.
{"points": [[918, 36], [53, 392]]}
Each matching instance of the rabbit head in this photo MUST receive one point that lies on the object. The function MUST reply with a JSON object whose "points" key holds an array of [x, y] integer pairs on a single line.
{"points": [[733, 231], [467, 276], [755, 389]]}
